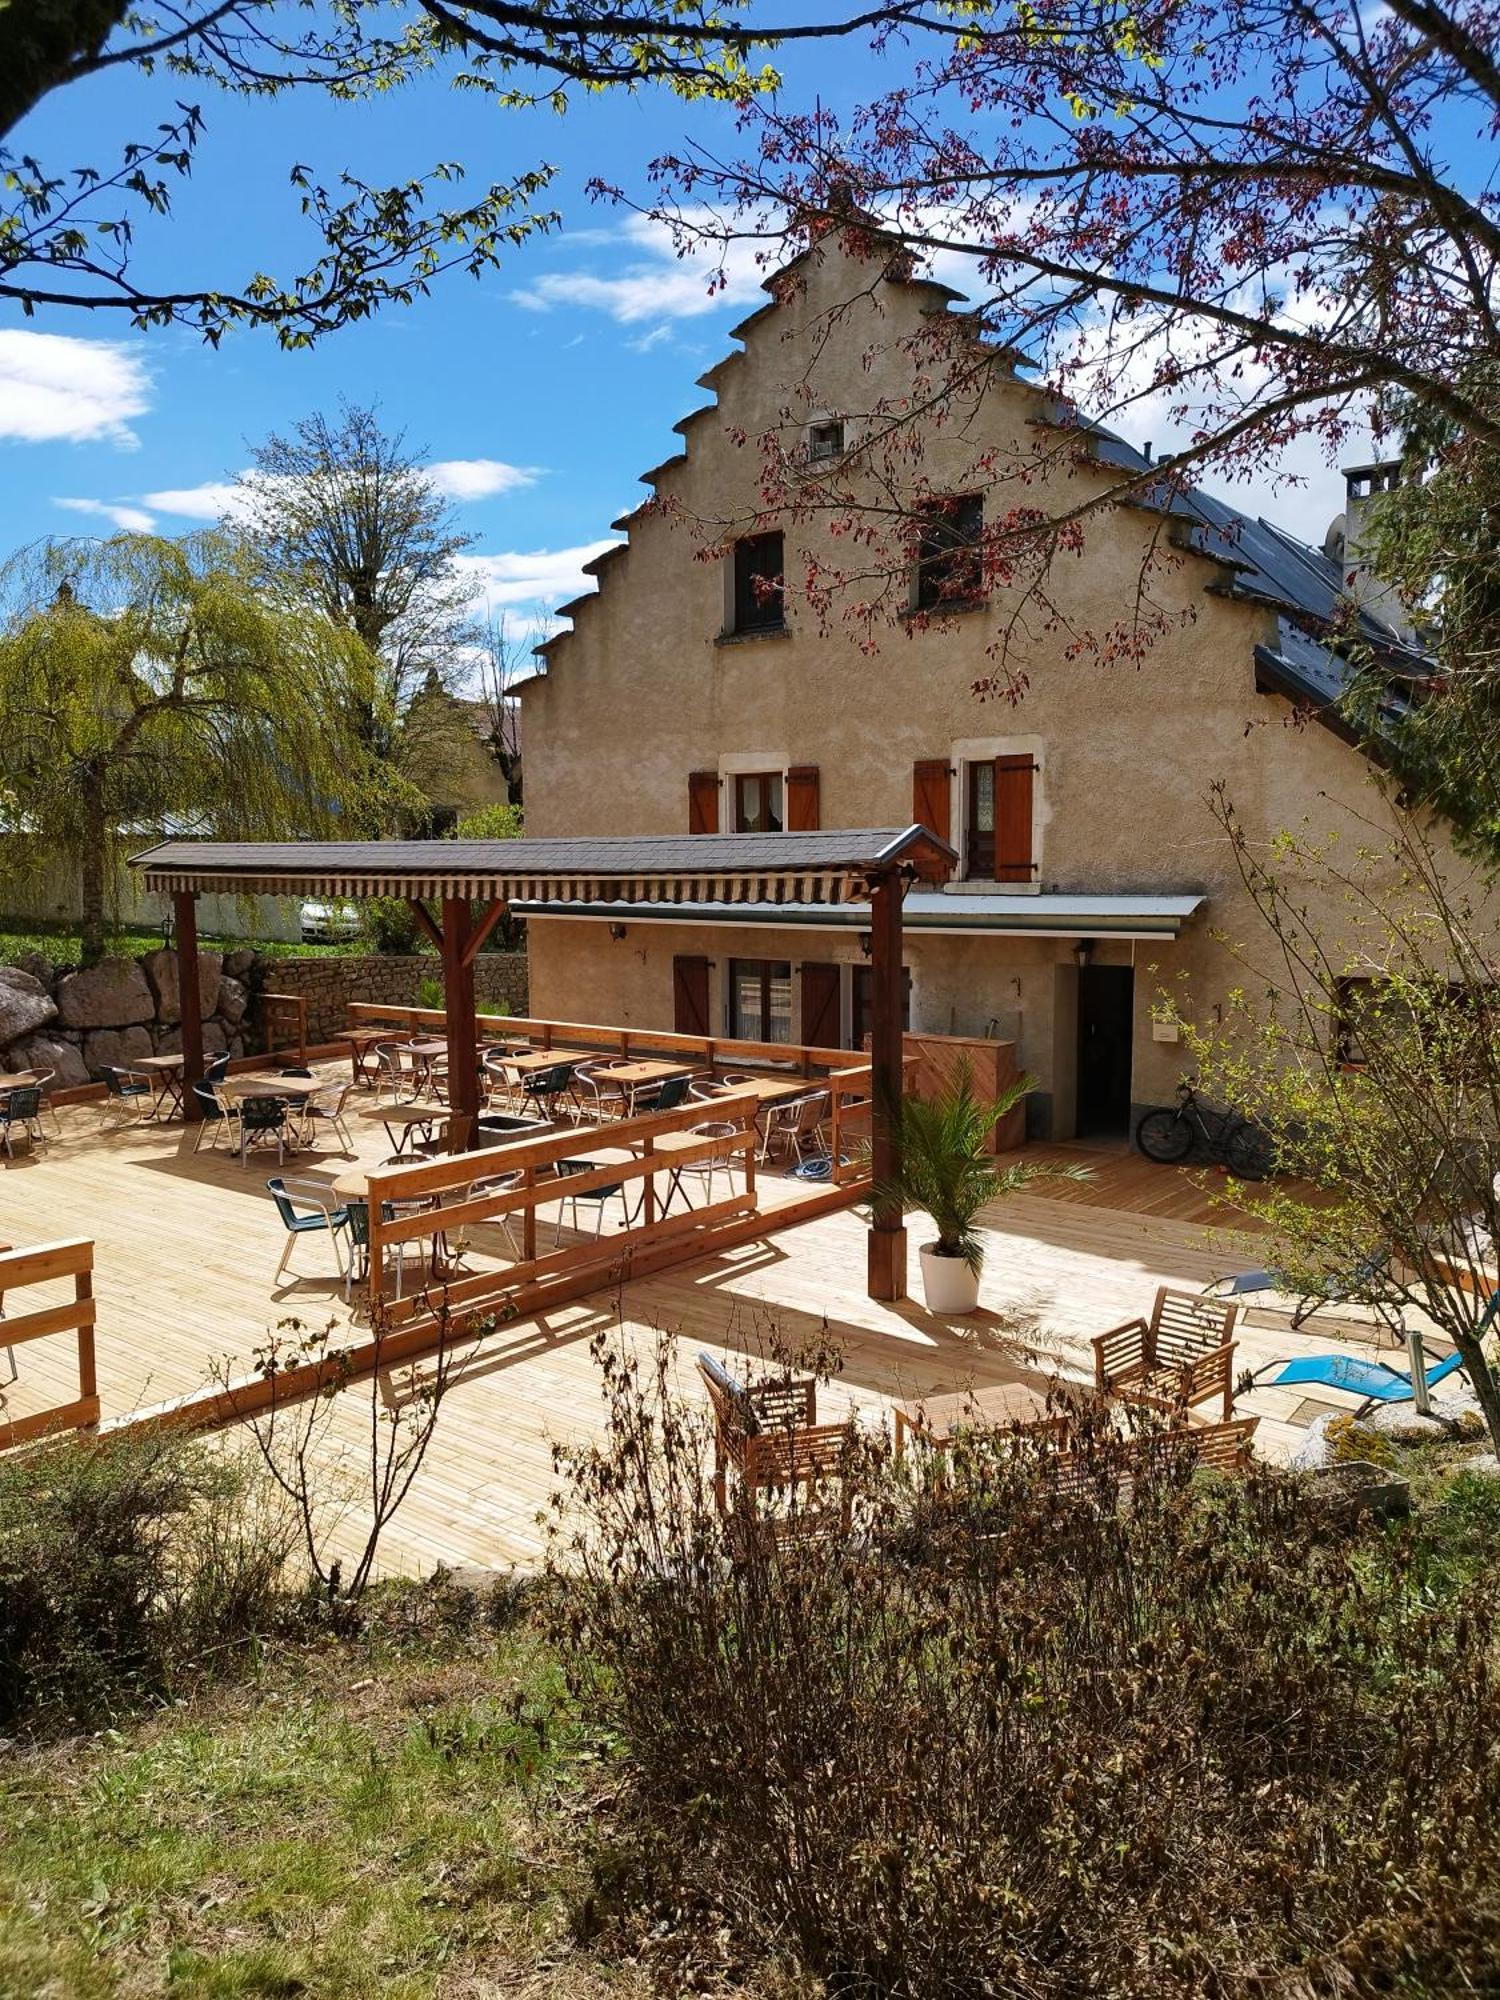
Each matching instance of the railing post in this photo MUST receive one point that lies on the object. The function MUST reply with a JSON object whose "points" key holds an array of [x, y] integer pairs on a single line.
{"points": [[88, 1381], [648, 1185], [528, 1217], [887, 1236]]}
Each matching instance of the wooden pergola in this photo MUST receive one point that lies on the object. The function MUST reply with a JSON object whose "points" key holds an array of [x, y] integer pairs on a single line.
{"points": [[475, 882]]}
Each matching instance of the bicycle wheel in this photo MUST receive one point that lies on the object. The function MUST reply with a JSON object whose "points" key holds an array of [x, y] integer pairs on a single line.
{"points": [[1164, 1136], [1249, 1152]]}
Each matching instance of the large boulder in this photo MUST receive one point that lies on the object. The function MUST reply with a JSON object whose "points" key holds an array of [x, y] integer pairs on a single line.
{"points": [[111, 994], [215, 1041], [44, 1052], [161, 970], [233, 1000], [115, 1048], [240, 961], [25, 1005]]}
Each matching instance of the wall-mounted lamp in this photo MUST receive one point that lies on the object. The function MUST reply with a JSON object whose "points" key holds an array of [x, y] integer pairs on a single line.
{"points": [[617, 932], [867, 943], [1083, 953]]}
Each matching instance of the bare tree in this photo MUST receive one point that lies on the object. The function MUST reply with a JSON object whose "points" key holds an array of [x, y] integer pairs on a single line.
{"points": [[504, 660]]}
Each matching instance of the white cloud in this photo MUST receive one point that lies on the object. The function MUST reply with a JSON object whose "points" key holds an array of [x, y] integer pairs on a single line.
{"points": [[131, 520], [656, 283], [214, 500], [53, 386], [525, 587], [479, 478]]}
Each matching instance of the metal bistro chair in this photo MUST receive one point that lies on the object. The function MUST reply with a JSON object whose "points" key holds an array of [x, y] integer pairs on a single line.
{"points": [[399, 1070], [130, 1091], [668, 1096], [217, 1114], [326, 1107], [323, 1213], [263, 1119], [597, 1195], [720, 1161], [45, 1078], [600, 1097], [21, 1109], [546, 1090], [498, 1184], [499, 1088], [795, 1125]]}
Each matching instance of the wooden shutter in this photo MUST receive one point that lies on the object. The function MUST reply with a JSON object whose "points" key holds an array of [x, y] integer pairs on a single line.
{"points": [[820, 1006], [802, 799], [932, 795], [1013, 858], [703, 801], [690, 996]]}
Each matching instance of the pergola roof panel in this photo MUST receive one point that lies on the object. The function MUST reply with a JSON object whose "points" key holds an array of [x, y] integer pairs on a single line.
{"points": [[827, 866]]}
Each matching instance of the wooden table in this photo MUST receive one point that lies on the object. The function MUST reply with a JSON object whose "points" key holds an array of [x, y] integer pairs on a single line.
{"points": [[936, 1420], [637, 1076], [361, 1041], [667, 1144], [403, 1122], [165, 1073], [264, 1083], [764, 1089], [531, 1060]]}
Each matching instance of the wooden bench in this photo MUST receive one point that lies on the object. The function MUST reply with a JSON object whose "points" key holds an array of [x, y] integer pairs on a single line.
{"points": [[768, 1436], [1182, 1355], [1222, 1447]]}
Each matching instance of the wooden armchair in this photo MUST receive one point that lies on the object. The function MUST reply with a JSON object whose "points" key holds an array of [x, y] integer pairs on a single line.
{"points": [[1215, 1447], [1183, 1354], [769, 1437]]}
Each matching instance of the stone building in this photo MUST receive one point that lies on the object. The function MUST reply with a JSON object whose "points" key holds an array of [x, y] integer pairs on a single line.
{"points": [[704, 694]]}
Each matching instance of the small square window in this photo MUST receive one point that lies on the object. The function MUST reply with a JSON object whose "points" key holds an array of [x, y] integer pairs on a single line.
{"points": [[759, 598], [825, 439], [950, 568]]}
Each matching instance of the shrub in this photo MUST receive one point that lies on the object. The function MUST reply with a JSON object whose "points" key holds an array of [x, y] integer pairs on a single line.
{"points": [[389, 925], [127, 1563], [1167, 1734], [430, 993]]}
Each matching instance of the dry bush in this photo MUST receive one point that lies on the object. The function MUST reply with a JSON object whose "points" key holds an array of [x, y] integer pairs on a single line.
{"points": [[1162, 1734]]}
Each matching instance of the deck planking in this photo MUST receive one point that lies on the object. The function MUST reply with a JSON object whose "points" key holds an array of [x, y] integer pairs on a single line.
{"points": [[187, 1244]]}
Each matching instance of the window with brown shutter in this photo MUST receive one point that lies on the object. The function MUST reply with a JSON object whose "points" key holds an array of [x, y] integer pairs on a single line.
{"points": [[820, 1006], [931, 795], [703, 801], [802, 799], [690, 996], [1014, 861]]}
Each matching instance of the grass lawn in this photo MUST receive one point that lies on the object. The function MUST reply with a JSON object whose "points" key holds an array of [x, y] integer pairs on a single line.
{"points": [[355, 1821]]}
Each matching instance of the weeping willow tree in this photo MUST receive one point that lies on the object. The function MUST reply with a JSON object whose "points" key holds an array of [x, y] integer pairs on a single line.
{"points": [[146, 684]]}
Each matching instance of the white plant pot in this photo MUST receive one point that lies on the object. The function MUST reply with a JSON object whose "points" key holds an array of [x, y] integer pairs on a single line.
{"points": [[947, 1282]]}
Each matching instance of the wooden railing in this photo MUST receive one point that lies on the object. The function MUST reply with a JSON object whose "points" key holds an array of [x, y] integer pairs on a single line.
{"points": [[590, 1037], [585, 1261], [45, 1265]]}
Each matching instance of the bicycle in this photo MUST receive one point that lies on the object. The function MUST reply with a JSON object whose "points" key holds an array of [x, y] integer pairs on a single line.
{"points": [[1167, 1136]]}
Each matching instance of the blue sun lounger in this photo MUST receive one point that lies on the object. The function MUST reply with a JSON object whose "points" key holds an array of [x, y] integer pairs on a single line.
{"points": [[1376, 1381]]}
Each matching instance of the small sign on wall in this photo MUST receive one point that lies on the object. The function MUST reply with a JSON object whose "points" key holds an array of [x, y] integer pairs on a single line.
{"points": [[1164, 1029]]}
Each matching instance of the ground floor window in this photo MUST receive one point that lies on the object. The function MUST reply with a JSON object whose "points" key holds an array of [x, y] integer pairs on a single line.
{"points": [[760, 1000]]}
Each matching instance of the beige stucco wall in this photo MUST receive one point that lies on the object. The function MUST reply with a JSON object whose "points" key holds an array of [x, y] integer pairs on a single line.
{"points": [[641, 693]]}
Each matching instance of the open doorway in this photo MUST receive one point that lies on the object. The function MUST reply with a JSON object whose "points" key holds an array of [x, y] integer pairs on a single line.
{"points": [[1106, 1022]]}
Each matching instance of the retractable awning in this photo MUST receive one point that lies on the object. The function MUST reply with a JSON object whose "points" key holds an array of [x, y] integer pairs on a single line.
{"points": [[954, 913], [818, 869]]}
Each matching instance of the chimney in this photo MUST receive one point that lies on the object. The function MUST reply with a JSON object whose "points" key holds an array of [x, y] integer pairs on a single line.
{"points": [[1344, 544]]}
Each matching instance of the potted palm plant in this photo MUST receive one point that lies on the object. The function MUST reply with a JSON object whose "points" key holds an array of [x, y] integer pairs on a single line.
{"points": [[947, 1172]]}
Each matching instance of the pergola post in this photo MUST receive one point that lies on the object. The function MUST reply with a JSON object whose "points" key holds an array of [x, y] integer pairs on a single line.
{"points": [[459, 1006], [190, 1000], [887, 1234]]}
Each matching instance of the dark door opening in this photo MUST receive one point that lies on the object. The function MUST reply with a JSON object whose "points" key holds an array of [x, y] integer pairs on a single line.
{"points": [[1106, 1020]]}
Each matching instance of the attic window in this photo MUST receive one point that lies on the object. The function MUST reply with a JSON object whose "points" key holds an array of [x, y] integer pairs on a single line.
{"points": [[825, 439]]}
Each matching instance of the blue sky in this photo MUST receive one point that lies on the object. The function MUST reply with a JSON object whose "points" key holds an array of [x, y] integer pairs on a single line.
{"points": [[540, 392]]}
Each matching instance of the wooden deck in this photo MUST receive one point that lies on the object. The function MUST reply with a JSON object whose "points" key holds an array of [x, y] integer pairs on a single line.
{"points": [[186, 1248]]}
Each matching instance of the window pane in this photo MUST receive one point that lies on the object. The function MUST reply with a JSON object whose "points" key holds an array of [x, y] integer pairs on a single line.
{"points": [[775, 811], [758, 564], [746, 1021], [983, 797], [779, 1020]]}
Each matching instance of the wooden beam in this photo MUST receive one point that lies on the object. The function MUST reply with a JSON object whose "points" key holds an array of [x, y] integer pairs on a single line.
{"points": [[190, 1001], [483, 928], [463, 1025], [424, 922], [887, 1236]]}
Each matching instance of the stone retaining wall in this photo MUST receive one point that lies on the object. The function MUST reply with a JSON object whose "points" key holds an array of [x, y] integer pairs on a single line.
{"points": [[78, 1023], [329, 984]]}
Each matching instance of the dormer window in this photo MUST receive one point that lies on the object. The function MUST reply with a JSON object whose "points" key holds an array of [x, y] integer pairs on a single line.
{"points": [[825, 440], [759, 597], [950, 569]]}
